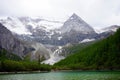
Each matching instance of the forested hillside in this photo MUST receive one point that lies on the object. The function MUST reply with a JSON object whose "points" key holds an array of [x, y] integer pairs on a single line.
{"points": [[102, 55], [10, 62]]}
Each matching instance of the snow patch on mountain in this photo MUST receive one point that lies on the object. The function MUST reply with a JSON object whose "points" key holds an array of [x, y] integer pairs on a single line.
{"points": [[87, 40], [59, 38], [14, 25], [54, 57], [107, 29], [111, 28], [19, 24], [50, 25]]}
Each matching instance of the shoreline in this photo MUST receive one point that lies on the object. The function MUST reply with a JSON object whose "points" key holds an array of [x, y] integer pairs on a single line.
{"points": [[24, 72], [85, 70], [31, 72]]}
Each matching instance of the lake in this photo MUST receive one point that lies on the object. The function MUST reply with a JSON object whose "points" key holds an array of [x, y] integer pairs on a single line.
{"points": [[66, 75]]}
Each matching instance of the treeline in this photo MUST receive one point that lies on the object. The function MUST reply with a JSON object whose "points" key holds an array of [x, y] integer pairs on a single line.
{"points": [[102, 55], [12, 63], [12, 66]]}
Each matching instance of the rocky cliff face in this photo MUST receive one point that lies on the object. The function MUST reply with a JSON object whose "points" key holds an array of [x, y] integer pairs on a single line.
{"points": [[11, 44], [21, 48]]}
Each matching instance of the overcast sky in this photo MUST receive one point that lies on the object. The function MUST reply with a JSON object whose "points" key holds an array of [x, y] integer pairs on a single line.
{"points": [[97, 13]]}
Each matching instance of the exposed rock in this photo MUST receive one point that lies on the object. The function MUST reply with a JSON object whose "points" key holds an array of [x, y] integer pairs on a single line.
{"points": [[11, 44]]}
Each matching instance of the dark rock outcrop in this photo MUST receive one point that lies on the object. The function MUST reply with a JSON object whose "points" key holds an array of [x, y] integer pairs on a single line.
{"points": [[11, 44]]}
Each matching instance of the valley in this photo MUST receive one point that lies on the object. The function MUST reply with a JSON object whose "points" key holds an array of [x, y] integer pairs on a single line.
{"points": [[59, 40], [56, 45]]}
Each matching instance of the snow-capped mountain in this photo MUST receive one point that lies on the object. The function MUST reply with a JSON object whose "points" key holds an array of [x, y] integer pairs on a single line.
{"points": [[21, 48], [22, 25], [77, 24], [106, 32], [50, 32], [112, 28], [54, 33], [12, 44], [14, 25]]}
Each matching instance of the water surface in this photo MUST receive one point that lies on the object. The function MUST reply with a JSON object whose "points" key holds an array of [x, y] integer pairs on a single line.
{"points": [[68, 75]]}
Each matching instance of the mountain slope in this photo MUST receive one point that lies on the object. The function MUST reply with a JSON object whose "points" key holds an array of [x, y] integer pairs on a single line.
{"points": [[71, 49], [11, 44], [49, 32], [109, 29], [20, 47], [52, 33], [104, 54], [77, 24], [76, 30], [4, 54], [25, 25]]}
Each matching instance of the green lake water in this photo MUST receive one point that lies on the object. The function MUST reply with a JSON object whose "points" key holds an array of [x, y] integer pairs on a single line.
{"points": [[68, 75]]}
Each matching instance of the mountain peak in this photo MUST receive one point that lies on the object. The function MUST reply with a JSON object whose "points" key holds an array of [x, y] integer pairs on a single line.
{"points": [[75, 23], [75, 16]]}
